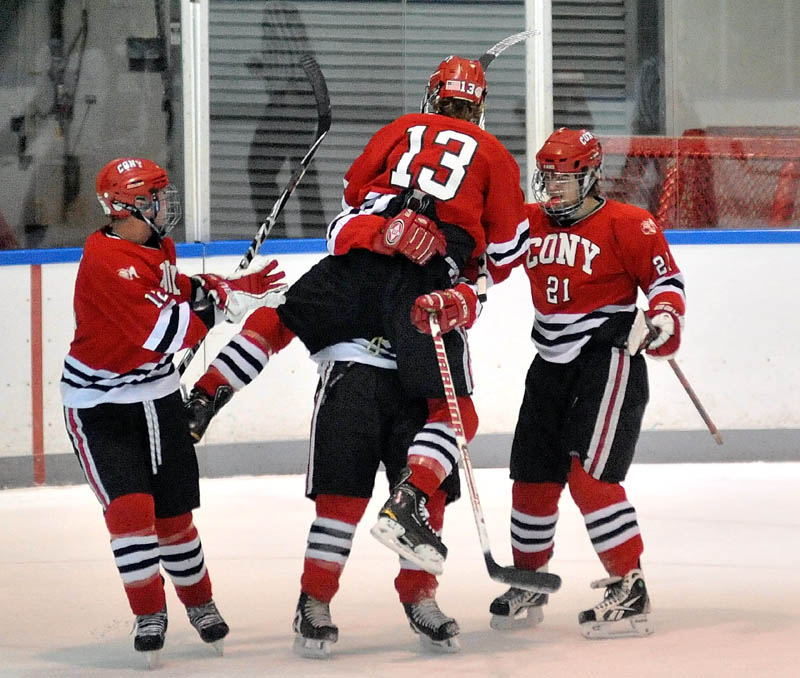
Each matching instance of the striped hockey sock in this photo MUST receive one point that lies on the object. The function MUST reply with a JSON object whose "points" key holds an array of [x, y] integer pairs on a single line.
{"points": [[329, 542], [239, 362], [610, 520], [182, 557], [131, 522], [534, 514]]}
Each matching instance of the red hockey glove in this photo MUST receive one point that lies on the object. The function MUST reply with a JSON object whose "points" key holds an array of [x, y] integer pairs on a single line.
{"points": [[411, 234], [456, 307], [259, 285], [665, 322]]}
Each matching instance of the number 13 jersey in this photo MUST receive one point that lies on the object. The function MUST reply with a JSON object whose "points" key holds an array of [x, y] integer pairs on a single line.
{"points": [[472, 176]]}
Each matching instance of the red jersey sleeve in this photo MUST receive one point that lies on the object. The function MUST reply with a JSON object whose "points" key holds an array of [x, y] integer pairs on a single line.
{"points": [[355, 227], [505, 218], [646, 255], [134, 301], [356, 233], [184, 282]]}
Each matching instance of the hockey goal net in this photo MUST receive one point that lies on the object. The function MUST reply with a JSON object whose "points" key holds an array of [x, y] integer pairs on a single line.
{"points": [[714, 178]]}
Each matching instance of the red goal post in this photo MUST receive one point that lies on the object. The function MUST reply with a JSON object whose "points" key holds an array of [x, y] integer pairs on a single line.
{"points": [[729, 180]]}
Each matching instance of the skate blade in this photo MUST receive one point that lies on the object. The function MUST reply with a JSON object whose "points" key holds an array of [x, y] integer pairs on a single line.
{"points": [[389, 533], [448, 646], [526, 617], [311, 648], [219, 647], [631, 627], [152, 659]]}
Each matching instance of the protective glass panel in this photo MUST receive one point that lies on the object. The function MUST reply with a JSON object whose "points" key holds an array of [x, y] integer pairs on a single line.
{"points": [[82, 83], [697, 111], [376, 57]]}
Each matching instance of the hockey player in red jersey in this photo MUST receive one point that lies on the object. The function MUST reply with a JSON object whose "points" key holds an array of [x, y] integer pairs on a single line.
{"points": [[444, 153], [430, 192], [586, 390], [120, 391], [362, 417]]}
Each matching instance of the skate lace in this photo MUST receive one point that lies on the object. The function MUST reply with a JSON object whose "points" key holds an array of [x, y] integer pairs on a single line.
{"points": [[614, 594], [427, 613], [422, 507], [150, 624], [514, 596], [203, 616], [317, 612]]}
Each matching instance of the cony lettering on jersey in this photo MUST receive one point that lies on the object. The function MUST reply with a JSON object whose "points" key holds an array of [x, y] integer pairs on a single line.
{"points": [[562, 248], [472, 176], [583, 276], [128, 324]]}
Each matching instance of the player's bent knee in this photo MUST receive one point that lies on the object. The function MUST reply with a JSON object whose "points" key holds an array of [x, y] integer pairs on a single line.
{"points": [[265, 323], [167, 527], [439, 411], [591, 494], [340, 507], [130, 513]]}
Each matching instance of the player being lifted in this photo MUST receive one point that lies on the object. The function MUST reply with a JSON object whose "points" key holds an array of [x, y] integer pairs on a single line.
{"points": [[120, 391], [586, 390], [390, 247]]}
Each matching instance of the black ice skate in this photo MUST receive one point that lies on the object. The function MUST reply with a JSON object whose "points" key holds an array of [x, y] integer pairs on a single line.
{"points": [[436, 630], [517, 608], [314, 628], [150, 631], [201, 407], [622, 612], [209, 623], [403, 527]]}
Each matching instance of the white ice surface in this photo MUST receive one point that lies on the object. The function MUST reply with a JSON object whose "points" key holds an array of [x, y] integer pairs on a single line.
{"points": [[722, 563]]}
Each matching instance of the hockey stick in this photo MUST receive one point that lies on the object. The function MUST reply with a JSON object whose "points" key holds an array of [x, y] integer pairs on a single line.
{"points": [[695, 400], [643, 331], [320, 89], [490, 54], [543, 582]]}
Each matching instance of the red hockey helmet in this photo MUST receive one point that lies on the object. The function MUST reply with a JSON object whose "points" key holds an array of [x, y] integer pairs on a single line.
{"points": [[567, 167], [139, 187], [456, 79]]}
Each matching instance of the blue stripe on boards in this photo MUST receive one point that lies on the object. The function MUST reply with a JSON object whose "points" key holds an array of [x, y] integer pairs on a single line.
{"points": [[317, 245]]}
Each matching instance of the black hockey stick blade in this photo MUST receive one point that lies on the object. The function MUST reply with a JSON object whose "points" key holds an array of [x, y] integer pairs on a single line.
{"points": [[320, 89], [530, 580], [490, 54]]}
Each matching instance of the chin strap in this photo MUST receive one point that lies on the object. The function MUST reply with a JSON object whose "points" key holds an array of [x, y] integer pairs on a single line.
{"points": [[137, 213]]}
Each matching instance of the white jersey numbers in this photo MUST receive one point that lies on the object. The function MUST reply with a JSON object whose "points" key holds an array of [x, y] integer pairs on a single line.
{"points": [[557, 290], [158, 298], [169, 274], [400, 176], [455, 163], [662, 264]]}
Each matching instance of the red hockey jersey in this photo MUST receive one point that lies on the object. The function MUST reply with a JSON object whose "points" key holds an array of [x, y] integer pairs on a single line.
{"points": [[475, 180], [582, 275], [132, 313]]}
